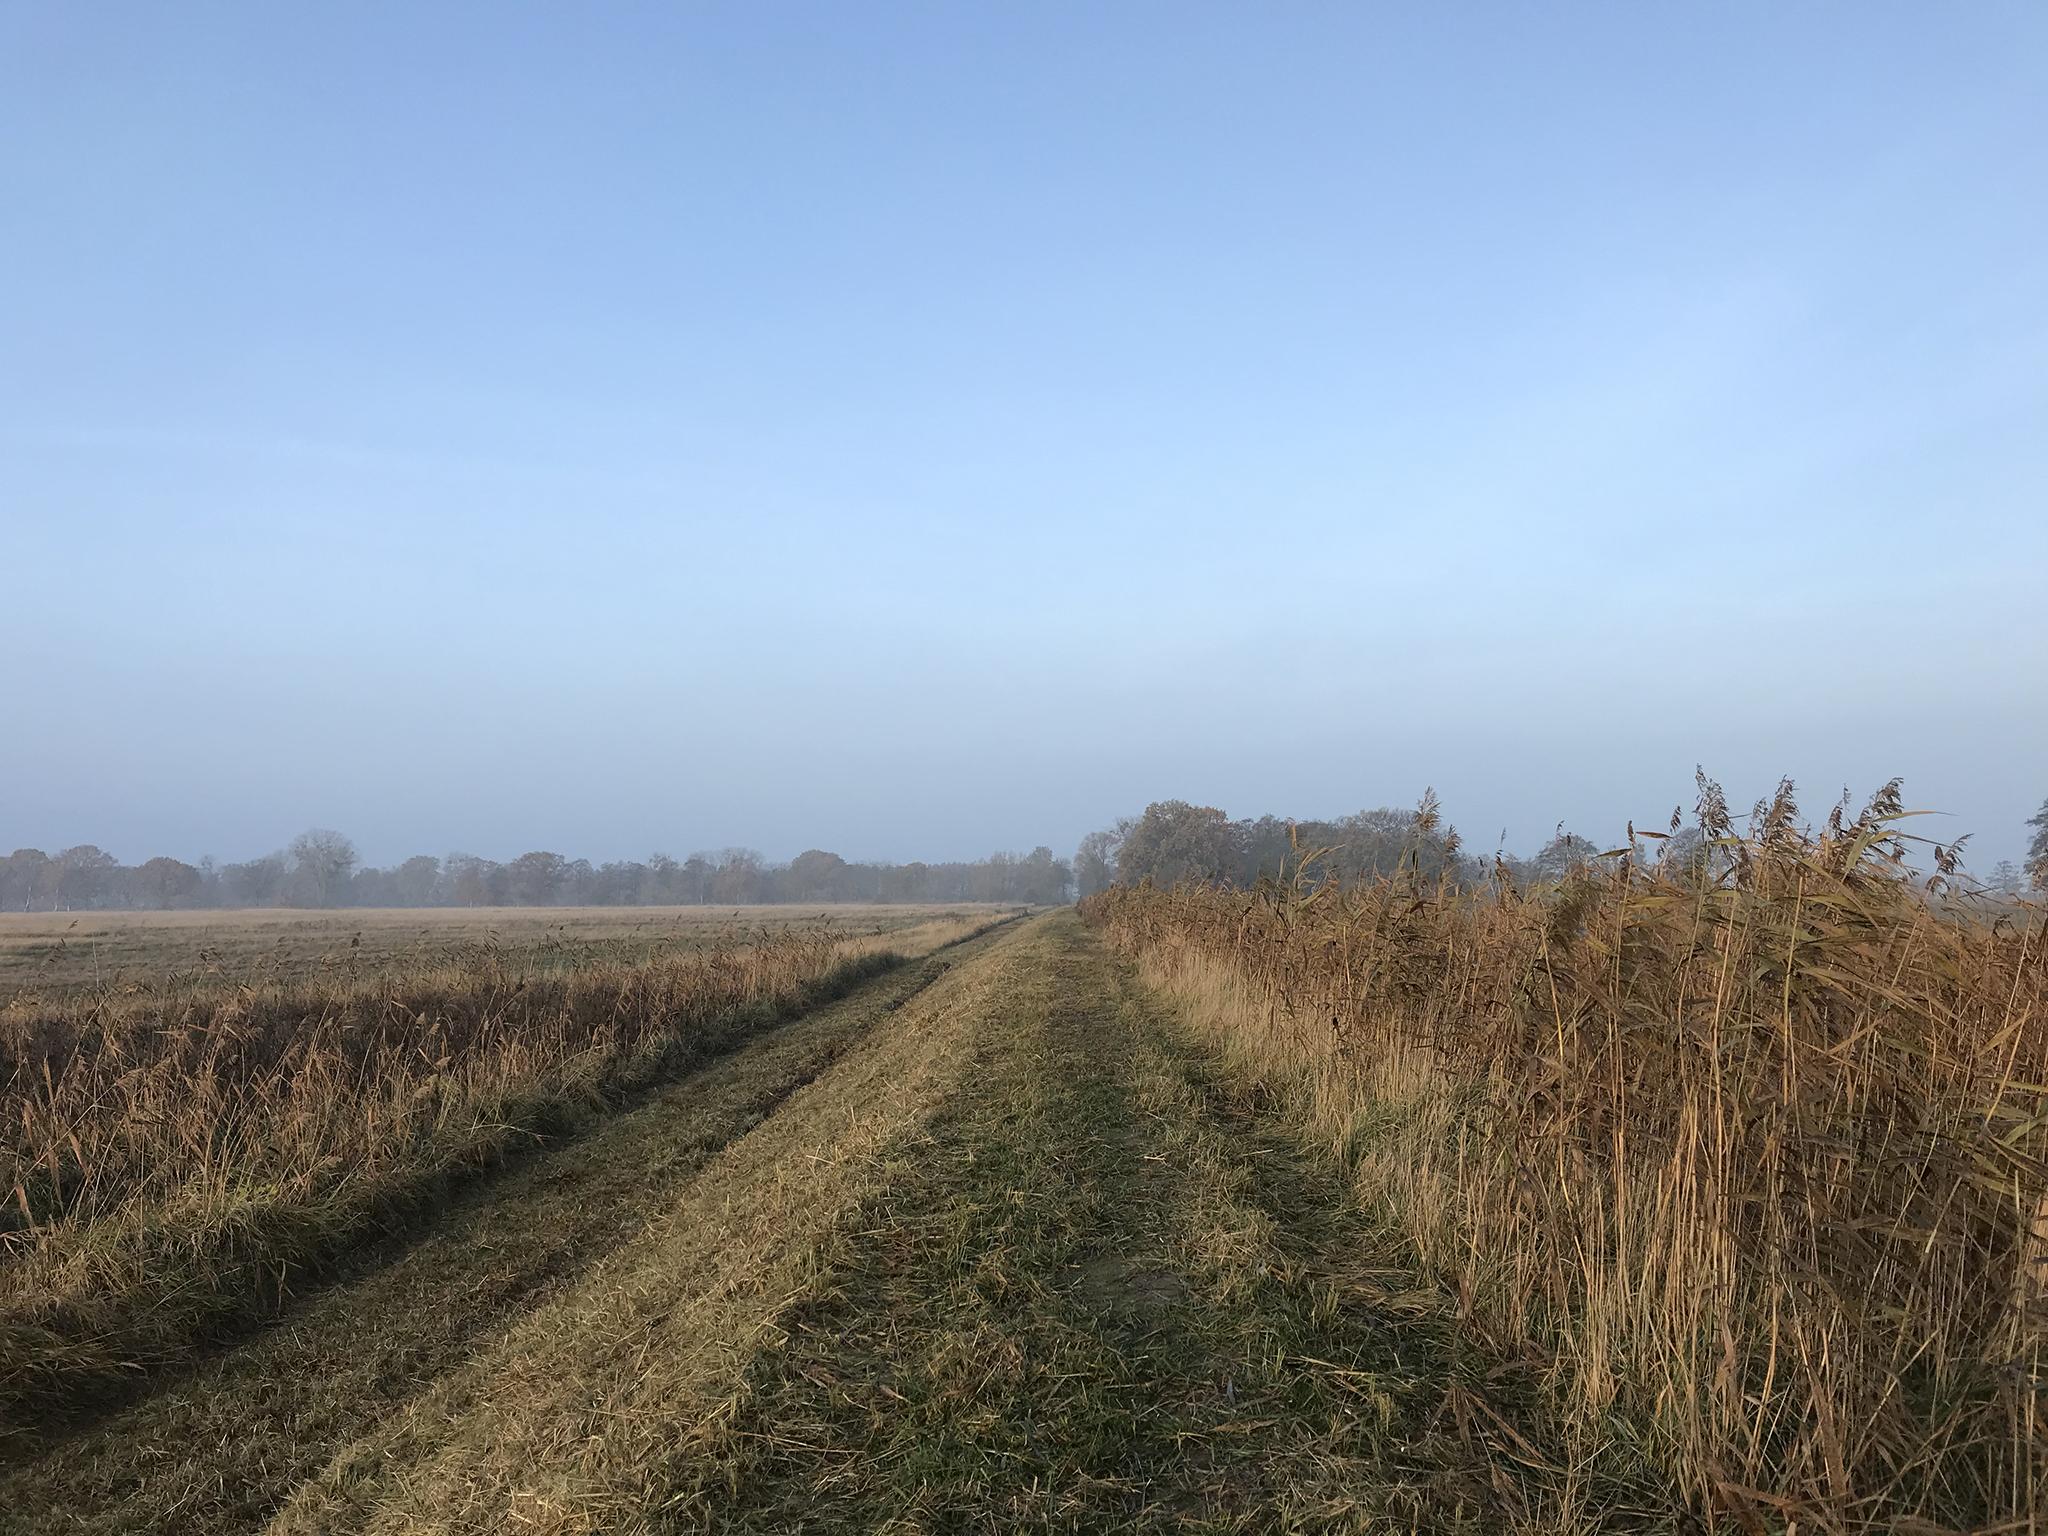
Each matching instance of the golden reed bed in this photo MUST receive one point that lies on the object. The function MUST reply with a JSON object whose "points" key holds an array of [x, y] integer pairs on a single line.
{"points": [[1755, 1150]]}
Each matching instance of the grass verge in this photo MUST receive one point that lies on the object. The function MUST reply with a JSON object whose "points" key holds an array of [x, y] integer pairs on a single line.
{"points": [[1107, 1289]]}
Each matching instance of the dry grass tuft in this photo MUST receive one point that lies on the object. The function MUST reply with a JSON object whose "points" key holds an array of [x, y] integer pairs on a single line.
{"points": [[1756, 1150]]}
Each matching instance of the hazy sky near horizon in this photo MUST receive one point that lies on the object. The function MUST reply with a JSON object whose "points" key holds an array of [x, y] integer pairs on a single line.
{"points": [[919, 429]]}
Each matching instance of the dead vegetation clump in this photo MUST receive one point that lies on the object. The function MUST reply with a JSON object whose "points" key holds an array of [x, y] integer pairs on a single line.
{"points": [[174, 1158], [1751, 1144]]}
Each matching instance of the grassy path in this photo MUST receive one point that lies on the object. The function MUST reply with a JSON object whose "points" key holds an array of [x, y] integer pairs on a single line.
{"points": [[999, 1252], [1106, 1290]]}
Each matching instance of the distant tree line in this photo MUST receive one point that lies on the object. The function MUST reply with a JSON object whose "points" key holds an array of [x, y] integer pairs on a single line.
{"points": [[1171, 842], [1175, 841], [321, 869]]}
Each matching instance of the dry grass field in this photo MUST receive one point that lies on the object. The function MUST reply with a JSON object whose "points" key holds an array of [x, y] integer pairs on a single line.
{"points": [[989, 1242], [52, 953], [1672, 1199], [178, 1151]]}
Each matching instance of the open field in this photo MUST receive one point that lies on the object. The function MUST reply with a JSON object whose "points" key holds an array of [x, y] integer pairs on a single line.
{"points": [[63, 952], [1645, 1202], [175, 1153], [987, 1243]]}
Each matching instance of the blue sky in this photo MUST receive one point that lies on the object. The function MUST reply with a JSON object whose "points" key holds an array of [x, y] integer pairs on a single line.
{"points": [[914, 430]]}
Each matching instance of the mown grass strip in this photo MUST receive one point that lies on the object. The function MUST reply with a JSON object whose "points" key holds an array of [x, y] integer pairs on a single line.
{"points": [[1101, 1294]]}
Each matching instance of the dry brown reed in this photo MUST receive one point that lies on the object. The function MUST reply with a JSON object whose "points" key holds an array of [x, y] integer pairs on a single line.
{"points": [[175, 1157], [1751, 1150]]}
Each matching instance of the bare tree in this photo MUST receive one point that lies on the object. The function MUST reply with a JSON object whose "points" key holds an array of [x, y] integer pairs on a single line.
{"points": [[1095, 859], [256, 883], [1175, 841], [1564, 854], [535, 879], [22, 877], [1685, 853], [470, 879], [322, 861], [813, 875], [740, 877], [2037, 850], [167, 882], [83, 875], [414, 882]]}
